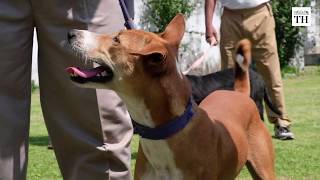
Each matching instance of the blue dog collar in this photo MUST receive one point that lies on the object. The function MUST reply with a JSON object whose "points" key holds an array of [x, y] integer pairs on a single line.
{"points": [[166, 130]]}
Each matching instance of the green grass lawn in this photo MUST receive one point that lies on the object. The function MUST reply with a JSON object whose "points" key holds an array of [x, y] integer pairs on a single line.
{"points": [[298, 159]]}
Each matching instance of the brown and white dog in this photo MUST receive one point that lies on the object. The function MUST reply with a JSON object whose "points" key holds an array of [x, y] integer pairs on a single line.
{"points": [[221, 136]]}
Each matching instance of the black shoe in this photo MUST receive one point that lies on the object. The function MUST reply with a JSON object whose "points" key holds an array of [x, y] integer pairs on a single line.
{"points": [[283, 133]]}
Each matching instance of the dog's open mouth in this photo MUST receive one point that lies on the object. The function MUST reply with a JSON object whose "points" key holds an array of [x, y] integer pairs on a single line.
{"points": [[99, 74]]}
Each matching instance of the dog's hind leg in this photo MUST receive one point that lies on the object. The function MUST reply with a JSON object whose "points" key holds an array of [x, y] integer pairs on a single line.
{"points": [[260, 161], [260, 170], [261, 167], [252, 171]]}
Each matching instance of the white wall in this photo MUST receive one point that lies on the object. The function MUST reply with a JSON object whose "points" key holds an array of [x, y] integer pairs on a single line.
{"points": [[312, 44]]}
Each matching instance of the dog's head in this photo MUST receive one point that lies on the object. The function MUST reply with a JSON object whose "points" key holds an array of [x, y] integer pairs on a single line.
{"points": [[129, 55], [131, 62]]}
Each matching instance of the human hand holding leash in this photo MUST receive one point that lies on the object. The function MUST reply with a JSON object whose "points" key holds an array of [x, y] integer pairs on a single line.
{"points": [[129, 24], [212, 36]]}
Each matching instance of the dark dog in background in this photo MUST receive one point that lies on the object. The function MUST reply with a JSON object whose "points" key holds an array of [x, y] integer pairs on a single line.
{"points": [[202, 86]]}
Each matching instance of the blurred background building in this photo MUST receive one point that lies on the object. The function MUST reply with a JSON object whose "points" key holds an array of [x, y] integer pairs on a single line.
{"points": [[312, 43], [194, 44]]}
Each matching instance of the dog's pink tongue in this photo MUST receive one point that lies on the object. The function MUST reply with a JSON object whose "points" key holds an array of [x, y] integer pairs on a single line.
{"points": [[85, 73]]}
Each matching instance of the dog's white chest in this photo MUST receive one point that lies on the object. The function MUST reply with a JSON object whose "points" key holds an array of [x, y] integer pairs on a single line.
{"points": [[161, 159]]}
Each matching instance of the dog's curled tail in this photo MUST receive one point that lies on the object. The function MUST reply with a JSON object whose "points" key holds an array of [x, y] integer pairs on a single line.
{"points": [[243, 60]]}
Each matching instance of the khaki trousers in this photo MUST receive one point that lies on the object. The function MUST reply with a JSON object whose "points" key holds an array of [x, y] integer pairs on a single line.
{"points": [[90, 129], [256, 24]]}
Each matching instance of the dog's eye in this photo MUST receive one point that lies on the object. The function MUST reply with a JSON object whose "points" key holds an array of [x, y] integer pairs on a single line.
{"points": [[116, 39]]}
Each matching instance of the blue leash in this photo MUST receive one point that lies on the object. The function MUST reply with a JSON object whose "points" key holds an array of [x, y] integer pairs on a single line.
{"points": [[128, 20]]}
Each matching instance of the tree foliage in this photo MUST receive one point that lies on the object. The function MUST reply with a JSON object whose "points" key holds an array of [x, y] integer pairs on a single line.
{"points": [[289, 38], [158, 13]]}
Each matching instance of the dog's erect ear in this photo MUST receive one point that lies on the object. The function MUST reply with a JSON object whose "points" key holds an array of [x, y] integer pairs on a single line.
{"points": [[175, 30], [151, 49], [153, 57]]}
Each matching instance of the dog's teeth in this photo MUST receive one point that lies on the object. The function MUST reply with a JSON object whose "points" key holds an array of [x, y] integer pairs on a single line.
{"points": [[104, 73], [73, 75]]}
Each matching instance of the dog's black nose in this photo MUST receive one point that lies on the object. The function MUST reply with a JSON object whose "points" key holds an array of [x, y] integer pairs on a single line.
{"points": [[71, 35]]}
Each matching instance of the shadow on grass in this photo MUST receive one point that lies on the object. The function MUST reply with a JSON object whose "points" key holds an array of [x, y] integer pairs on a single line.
{"points": [[39, 140]]}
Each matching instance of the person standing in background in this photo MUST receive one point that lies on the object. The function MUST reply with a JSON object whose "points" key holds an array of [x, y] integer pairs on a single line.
{"points": [[90, 129], [252, 19]]}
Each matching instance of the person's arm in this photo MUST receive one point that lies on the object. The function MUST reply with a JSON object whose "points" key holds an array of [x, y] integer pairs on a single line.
{"points": [[211, 33]]}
